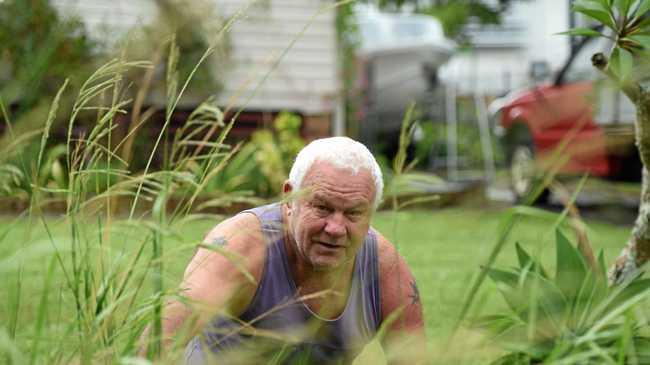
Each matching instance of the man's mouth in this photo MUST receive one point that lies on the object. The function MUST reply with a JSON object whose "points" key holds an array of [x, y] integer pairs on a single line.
{"points": [[328, 245]]}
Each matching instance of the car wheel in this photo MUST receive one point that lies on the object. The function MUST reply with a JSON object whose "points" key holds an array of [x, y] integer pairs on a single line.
{"points": [[522, 170], [524, 178]]}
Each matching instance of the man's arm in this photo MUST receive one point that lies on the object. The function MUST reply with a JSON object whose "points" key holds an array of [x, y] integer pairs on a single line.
{"points": [[404, 337], [221, 277]]}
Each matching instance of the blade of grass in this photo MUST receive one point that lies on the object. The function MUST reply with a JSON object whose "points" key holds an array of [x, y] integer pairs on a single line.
{"points": [[42, 311]]}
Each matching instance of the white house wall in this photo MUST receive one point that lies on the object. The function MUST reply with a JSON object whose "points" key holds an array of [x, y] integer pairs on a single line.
{"points": [[305, 79]]}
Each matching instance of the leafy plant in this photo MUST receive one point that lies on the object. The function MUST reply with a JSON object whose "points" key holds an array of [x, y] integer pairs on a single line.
{"points": [[570, 317], [626, 23], [275, 151], [39, 50], [434, 143], [194, 27]]}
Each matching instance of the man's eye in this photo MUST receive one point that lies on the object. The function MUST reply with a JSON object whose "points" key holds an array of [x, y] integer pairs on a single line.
{"points": [[354, 213], [321, 208]]}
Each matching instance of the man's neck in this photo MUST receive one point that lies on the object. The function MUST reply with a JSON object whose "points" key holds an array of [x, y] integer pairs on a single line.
{"points": [[313, 280], [325, 292]]}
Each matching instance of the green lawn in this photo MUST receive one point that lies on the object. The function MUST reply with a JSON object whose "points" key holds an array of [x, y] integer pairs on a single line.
{"points": [[444, 248]]}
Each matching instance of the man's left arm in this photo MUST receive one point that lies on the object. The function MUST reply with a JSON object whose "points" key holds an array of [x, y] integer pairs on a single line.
{"points": [[404, 337]]}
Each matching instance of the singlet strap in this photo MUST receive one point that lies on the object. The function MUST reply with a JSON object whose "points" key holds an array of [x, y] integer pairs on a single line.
{"points": [[369, 275]]}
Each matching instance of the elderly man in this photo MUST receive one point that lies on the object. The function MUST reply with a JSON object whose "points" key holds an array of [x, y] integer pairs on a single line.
{"points": [[302, 281]]}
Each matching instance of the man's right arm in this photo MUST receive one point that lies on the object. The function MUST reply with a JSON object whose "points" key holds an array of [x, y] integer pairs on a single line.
{"points": [[221, 277]]}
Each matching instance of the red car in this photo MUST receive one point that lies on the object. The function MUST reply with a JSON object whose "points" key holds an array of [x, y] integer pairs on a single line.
{"points": [[572, 126]]}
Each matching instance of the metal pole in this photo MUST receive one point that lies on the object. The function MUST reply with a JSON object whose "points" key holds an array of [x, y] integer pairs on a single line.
{"points": [[486, 143], [452, 133], [339, 117]]}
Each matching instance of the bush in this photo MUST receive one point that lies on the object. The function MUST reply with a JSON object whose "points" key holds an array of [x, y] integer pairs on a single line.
{"points": [[571, 317]]}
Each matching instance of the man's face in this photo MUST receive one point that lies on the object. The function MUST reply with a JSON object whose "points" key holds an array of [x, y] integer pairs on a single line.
{"points": [[331, 216]]}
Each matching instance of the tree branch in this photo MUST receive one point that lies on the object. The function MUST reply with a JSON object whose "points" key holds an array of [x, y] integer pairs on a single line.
{"points": [[637, 251]]}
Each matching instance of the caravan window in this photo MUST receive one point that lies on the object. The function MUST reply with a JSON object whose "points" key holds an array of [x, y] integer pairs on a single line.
{"points": [[409, 29]]}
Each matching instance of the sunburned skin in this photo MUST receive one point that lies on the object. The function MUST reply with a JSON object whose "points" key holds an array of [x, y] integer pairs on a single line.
{"points": [[329, 223]]}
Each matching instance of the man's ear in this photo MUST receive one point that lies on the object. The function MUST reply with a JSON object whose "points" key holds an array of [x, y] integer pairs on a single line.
{"points": [[287, 188]]}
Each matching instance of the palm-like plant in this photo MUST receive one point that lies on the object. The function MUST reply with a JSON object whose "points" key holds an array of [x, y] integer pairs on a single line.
{"points": [[572, 317]]}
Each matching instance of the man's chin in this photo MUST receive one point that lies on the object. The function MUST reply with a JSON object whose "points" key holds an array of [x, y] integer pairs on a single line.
{"points": [[326, 265], [322, 264]]}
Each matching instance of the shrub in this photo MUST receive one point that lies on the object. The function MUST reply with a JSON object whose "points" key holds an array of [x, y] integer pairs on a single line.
{"points": [[570, 317]]}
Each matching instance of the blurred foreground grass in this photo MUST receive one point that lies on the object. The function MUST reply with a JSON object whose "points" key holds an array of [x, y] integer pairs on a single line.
{"points": [[444, 249]]}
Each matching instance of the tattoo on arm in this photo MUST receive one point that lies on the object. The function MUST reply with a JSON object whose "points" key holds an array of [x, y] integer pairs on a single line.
{"points": [[218, 241], [415, 293]]}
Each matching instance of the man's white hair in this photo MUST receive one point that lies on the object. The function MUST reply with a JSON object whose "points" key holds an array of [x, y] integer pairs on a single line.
{"points": [[342, 152]]}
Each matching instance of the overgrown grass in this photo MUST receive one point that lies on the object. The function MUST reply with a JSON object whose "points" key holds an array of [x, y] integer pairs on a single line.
{"points": [[82, 286], [444, 248]]}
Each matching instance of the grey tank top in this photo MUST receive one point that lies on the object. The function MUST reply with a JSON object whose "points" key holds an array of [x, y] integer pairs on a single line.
{"points": [[280, 327]]}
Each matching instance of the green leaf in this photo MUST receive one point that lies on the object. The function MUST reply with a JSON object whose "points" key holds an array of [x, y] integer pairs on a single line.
{"points": [[523, 256], [525, 261], [643, 8], [515, 358], [642, 349], [551, 306], [631, 290], [588, 297], [595, 10], [586, 32], [496, 323], [601, 16], [571, 267], [504, 277], [623, 6], [602, 286], [603, 5], [508, 285], [602, 267], [642, 40]]}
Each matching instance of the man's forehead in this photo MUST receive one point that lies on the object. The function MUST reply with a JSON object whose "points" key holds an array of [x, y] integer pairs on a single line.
{"points": [[324, 196], [332, 182], [322, 167]]}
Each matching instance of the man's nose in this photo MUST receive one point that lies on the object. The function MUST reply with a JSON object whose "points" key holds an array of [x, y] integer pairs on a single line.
{"points": [[335, 225]]}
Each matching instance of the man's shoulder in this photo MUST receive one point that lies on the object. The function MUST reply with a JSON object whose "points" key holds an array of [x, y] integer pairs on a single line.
{"points": [[395, 278], [228, 265], [400, 306], [238, 239], [387, 254], [239, 231]]}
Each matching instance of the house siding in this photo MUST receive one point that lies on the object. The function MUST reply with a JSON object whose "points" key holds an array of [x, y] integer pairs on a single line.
{"points": [[304, 80]]}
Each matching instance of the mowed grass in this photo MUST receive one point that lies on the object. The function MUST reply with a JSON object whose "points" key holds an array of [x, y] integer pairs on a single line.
{"points": [[445, 249]]}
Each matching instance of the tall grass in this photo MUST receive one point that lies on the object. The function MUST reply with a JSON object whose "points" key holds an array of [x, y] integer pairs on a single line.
{"points": [[101, 277]]}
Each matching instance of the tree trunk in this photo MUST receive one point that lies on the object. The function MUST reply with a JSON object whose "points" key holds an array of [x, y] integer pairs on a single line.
{"points": [[637, 251]]}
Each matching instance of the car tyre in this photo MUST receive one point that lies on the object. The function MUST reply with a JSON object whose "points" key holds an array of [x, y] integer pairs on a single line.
{"points": [[523, 175]]}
